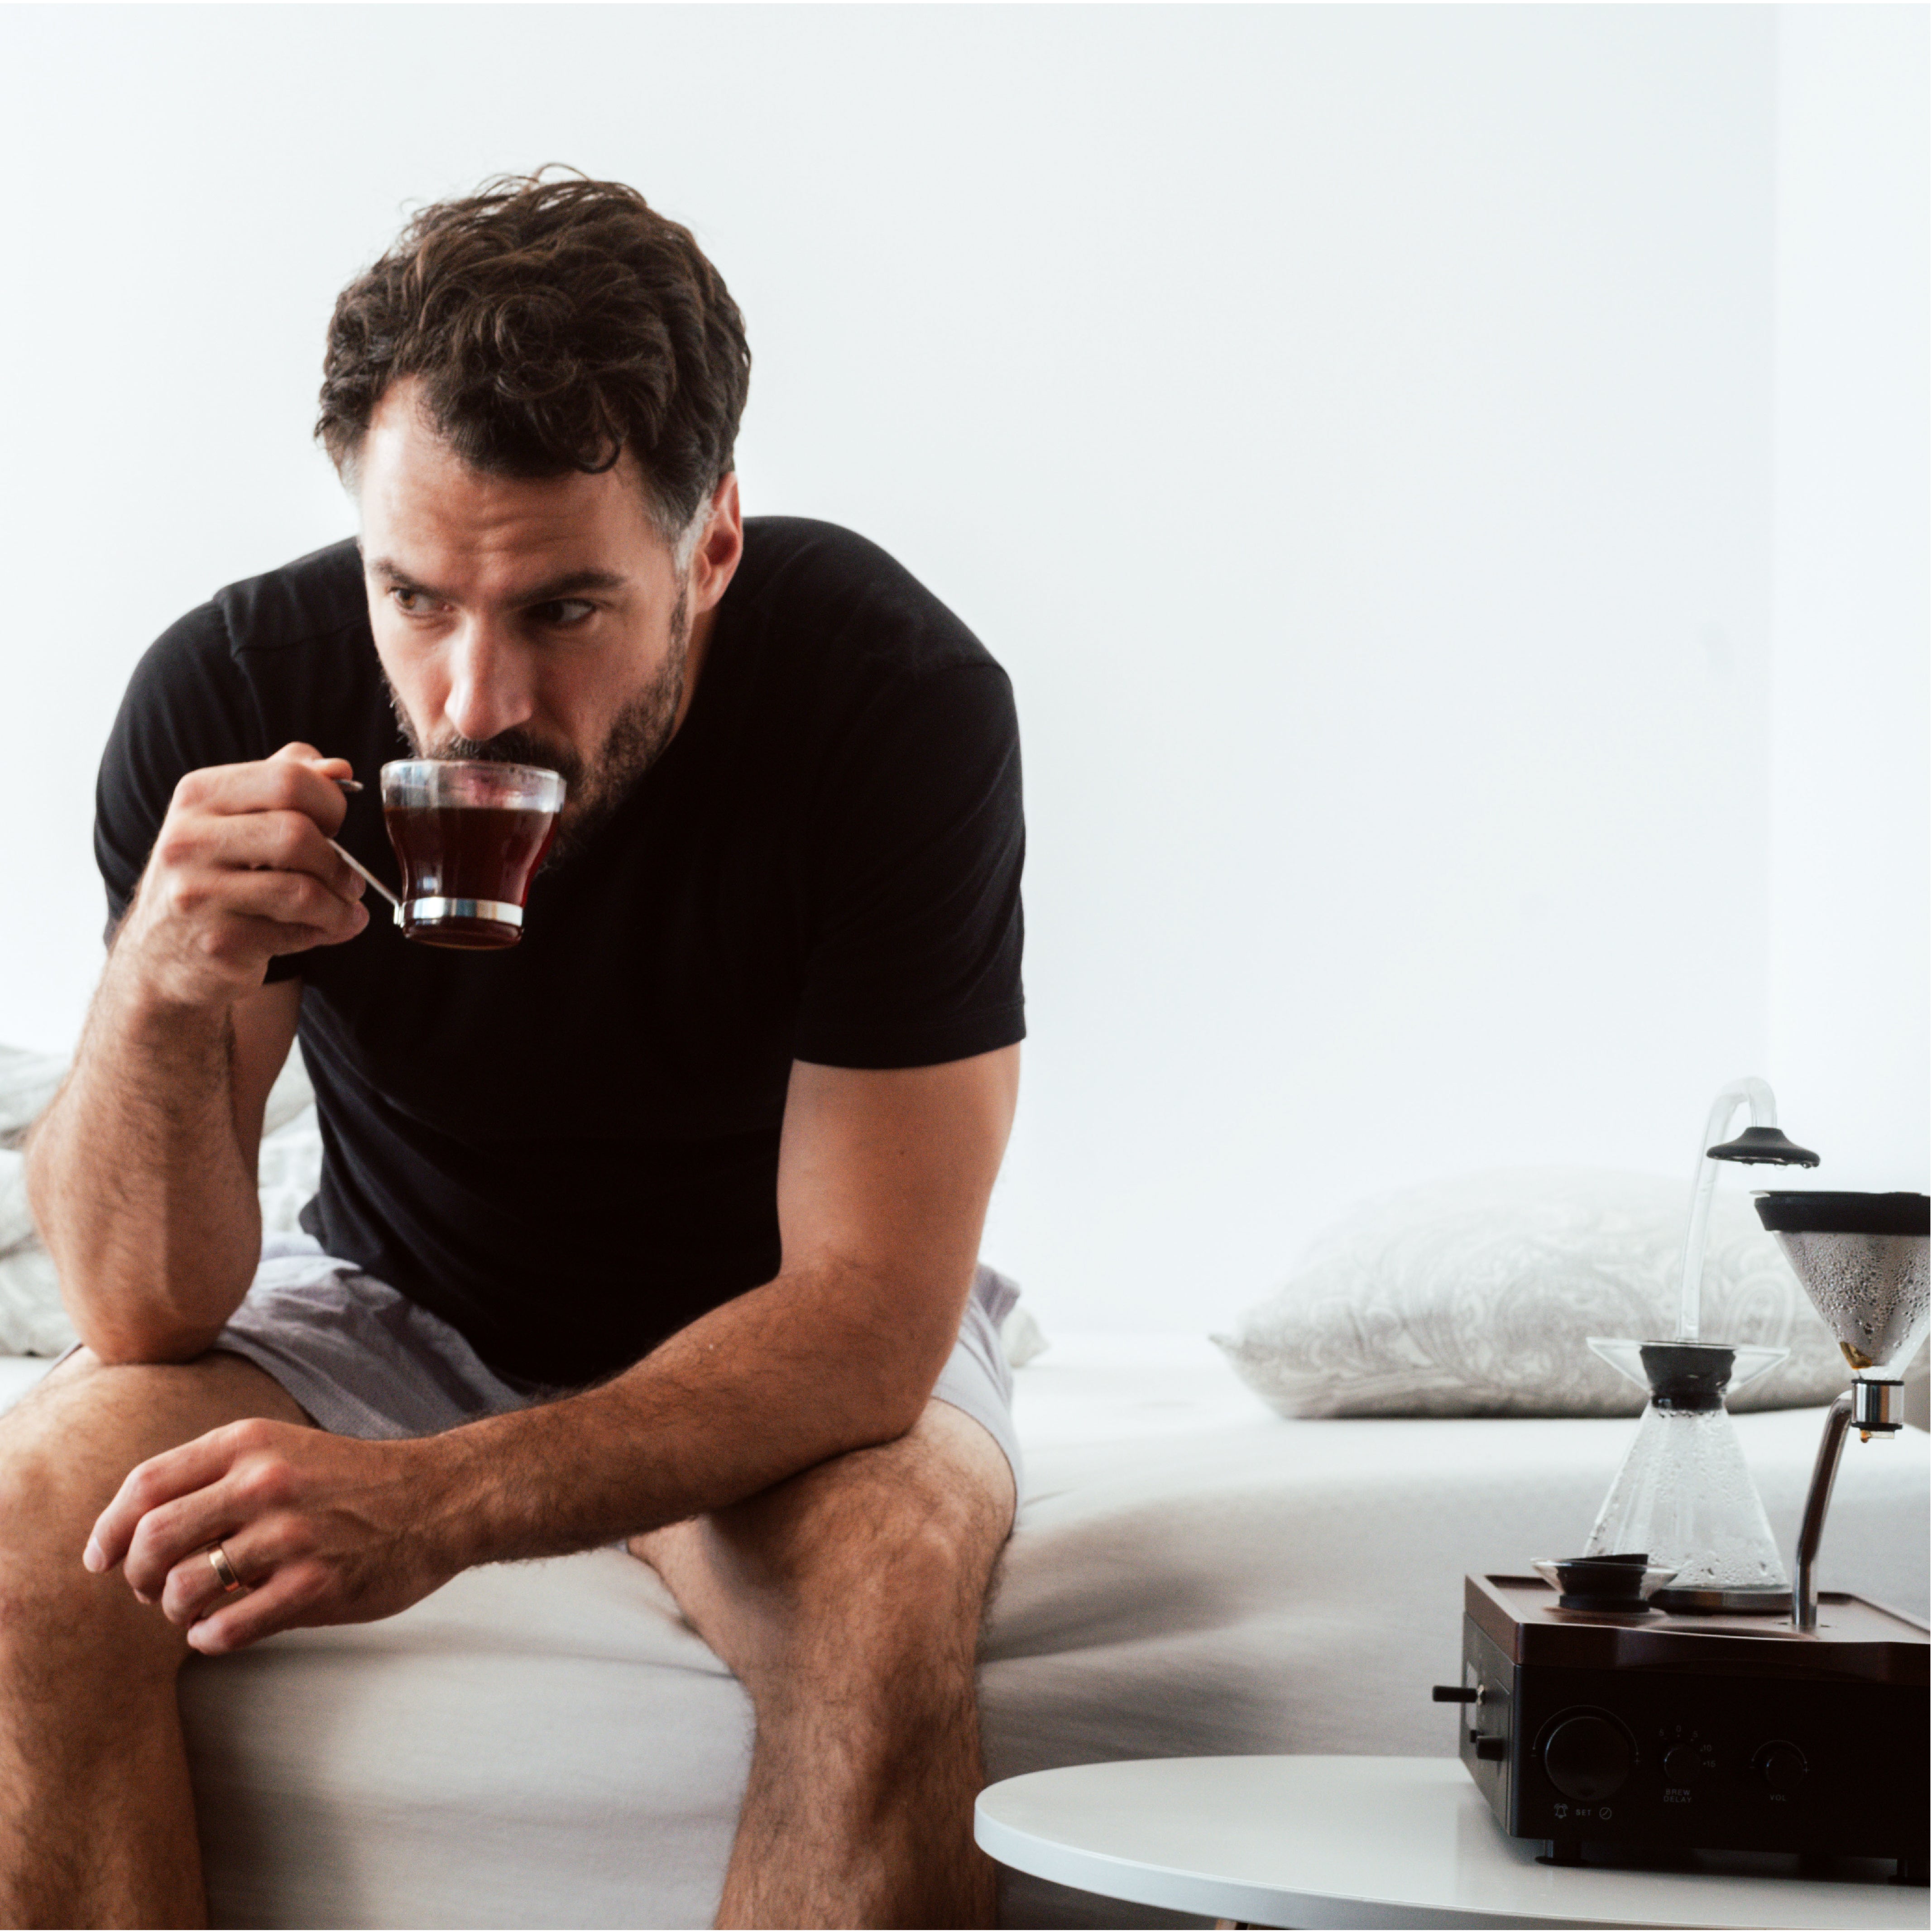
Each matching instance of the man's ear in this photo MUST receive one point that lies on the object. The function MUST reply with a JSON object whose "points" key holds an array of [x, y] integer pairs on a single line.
{"points": [[720, 549]]}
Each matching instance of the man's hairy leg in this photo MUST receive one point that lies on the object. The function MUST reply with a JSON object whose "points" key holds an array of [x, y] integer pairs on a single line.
{"points": [[848, 1601], [97, 1819]]}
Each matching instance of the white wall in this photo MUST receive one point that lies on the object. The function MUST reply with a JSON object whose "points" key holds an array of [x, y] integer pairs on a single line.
{"points": [[1352, 427], [1850, 851]]}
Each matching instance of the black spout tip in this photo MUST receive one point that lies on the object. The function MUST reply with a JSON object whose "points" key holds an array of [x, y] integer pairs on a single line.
{"points": [[1766, 1145]]}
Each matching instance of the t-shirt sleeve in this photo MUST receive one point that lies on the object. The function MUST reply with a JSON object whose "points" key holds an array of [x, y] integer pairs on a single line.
{"points": [[915, 954], [187, 707]]}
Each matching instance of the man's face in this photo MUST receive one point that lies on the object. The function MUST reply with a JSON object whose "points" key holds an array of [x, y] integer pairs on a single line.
{"points": [[539, 620]]}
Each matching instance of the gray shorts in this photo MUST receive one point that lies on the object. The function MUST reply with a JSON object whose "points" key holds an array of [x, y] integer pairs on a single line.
{"points": [[363, 1360]]}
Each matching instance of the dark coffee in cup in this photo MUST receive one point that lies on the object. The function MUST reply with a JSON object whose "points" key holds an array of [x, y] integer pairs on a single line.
{"points": [[469, 838]]}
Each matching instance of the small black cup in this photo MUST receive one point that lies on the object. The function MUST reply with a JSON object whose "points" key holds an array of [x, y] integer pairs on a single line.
{"points": [[1603, 1583]]}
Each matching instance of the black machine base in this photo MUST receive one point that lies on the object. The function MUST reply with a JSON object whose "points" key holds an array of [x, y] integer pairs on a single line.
{"points": [[1604, 1735]]}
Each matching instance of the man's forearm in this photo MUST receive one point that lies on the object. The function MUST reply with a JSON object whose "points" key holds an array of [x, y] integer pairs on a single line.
{"points": [[142, 1175], [137, 1179], [810, 1365]]}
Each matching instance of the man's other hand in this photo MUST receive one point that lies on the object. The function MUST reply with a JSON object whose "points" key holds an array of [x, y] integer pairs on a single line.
{"points": [[321, 1529], [242, 870]]}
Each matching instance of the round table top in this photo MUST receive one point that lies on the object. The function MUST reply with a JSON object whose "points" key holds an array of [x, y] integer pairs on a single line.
{"points": [[1362, 1842]]}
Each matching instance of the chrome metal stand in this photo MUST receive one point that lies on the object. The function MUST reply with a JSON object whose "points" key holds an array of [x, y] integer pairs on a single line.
{"points": [[1877, 1408]]}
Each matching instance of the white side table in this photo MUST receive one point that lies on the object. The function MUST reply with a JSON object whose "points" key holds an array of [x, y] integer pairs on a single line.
{"points": [[1362, 1842]]}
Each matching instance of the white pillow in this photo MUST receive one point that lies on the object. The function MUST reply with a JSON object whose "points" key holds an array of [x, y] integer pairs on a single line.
{"points": [[289, 1171], [28, 1081], [1473, 1296], [1022, 1338], [32, 1321]]}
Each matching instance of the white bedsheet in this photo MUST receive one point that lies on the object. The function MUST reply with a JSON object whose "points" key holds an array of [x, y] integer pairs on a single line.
{"points": [[548, 1745]]}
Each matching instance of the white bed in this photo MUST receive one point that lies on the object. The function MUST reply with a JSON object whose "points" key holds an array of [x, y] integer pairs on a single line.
{"points": [[548, 1745]]}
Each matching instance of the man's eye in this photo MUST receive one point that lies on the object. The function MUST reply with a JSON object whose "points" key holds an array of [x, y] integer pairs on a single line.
{"points": [[561, 612], [411, 603]]}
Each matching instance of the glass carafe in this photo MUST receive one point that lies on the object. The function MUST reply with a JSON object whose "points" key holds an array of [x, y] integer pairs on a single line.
{"points": [[1683, 1495]]}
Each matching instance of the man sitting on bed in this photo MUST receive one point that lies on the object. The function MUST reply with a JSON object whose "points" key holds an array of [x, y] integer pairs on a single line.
{"points": [[660, 1228]]}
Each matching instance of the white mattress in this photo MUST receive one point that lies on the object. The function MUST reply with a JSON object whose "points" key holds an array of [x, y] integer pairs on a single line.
{"points": [[548, 1745]]}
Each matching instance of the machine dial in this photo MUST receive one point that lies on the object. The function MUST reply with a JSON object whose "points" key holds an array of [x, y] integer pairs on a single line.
{"points": [[1588, 1757], [1682, 1762], [1781, 1765]]}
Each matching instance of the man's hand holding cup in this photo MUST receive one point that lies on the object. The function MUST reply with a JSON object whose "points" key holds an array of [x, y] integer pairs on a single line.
{"points": [[242, 870]]}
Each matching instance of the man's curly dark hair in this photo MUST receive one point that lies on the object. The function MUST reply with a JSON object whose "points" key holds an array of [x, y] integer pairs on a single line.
{"points": [[554, 322]]}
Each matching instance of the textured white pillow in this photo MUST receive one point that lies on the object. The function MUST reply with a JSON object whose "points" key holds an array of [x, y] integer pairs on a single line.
{"points": [[289, 1172], [32, 1321], [1473, 1296]]}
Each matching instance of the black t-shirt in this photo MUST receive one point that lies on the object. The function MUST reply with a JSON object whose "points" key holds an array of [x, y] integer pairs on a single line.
{"points": [[569, 1150]]}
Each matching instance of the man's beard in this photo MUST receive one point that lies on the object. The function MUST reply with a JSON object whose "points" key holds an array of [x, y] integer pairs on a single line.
{"points": [[594, 787]]}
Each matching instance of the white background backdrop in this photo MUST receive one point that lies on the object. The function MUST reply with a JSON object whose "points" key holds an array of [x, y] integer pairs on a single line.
{"points": [[1450, 485]]}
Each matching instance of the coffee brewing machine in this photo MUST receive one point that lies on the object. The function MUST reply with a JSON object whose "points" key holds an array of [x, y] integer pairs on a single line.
{"points": [[1670, 1689]]}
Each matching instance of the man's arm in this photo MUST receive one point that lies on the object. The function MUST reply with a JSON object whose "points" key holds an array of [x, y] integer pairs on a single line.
{"points": [[883, 1181], [141, 1173]]}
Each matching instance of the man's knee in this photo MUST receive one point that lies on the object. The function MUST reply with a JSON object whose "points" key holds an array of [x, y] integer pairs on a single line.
{"points": [[51, 1608], [868, 1568], [65, 1451]]}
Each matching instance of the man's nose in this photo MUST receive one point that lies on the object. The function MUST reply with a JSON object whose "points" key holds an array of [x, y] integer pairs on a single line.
{"points": [[489, 685]]}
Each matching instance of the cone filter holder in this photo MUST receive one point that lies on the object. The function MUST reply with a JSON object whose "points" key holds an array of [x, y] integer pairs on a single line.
{"points": [[1862, 1260]]}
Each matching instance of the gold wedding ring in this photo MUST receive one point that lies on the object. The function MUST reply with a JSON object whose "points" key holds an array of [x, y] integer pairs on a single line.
{"points": [[218, 1561]]}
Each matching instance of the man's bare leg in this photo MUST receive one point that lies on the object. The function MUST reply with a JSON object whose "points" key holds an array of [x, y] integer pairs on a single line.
{"points": [[848, 1600], [97, 1819]]}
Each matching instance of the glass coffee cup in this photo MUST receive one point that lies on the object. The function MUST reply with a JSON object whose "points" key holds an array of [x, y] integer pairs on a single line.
{"points": [[468, 836]]}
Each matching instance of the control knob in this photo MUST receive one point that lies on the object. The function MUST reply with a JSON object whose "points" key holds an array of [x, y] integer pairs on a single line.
{"points": [[1781, 1765], [1588, 1757]]}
